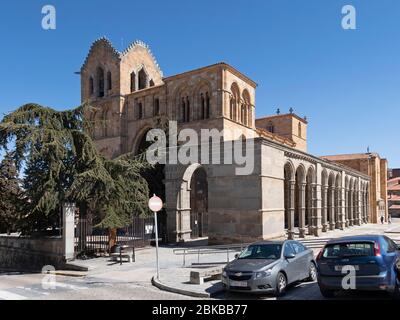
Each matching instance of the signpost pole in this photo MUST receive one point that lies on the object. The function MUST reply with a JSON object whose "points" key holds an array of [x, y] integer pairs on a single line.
{"points": [[156, 233], [155, 205]]}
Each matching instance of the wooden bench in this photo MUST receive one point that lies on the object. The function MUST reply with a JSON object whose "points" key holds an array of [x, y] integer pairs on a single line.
{"points": [[198, 276]]}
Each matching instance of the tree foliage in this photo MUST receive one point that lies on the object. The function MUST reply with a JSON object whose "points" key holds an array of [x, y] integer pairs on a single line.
{"points": [[60, 163], [10, 195]]}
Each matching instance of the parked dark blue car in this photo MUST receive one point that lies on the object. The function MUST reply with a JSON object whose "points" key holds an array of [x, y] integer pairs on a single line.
{"points": [[375, 260]]}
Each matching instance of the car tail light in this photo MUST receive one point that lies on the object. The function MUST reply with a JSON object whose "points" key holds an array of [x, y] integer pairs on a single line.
{"points": [[320, 254], [377, 249]]}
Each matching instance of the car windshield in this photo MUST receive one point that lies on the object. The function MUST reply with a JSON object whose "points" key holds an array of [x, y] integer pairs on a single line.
{"points": [[262, 251], [339, 250]]}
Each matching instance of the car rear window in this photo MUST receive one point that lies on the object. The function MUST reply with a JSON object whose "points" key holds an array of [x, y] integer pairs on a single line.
{"points": [[351, 249]]}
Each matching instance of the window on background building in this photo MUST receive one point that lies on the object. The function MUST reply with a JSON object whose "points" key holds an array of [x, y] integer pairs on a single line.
{"points": [[142, 79], [202, 106], [207, 115], [100, 81], [140, 110], [91, 86], [299, 129], [133, 82], [185, 107], [109, 81], [156, 107], [232, 108]]}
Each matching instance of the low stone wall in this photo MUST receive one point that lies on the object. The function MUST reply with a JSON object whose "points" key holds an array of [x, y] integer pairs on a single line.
{"points": [[30, 254]]}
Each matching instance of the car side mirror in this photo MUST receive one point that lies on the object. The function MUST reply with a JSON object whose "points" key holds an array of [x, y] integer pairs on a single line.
{"points": [[290, 256], [236, 255]]}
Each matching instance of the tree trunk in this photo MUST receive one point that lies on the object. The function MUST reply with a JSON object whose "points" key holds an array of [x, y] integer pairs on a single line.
{"points": [[112, 238]]}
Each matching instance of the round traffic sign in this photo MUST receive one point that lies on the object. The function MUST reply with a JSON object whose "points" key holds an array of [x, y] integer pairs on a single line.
{"points": [[155, 204]]}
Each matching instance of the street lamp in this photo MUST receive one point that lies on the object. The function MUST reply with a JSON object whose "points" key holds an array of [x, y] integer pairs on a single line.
{"points": [[155, 205]]}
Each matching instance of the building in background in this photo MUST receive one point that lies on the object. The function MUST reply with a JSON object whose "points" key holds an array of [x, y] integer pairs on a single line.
{"points": [[393, 173], [394, 192], [376, 168]]}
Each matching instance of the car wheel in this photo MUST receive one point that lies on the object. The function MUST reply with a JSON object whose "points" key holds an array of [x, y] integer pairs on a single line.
{"points": [[281, 284], [327, 293], [312, 273]]}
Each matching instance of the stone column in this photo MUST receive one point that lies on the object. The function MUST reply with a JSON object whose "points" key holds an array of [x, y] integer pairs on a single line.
{"points": [[302, 195], [317, 210], [358, 204], [332, 209], [351, 211], [292, 189], [68, 235], [338, 208], [310, 206], [325, 209], [347, 222]]}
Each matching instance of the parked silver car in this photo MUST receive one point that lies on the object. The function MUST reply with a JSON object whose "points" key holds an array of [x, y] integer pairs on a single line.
{"points": [[270, 266]]}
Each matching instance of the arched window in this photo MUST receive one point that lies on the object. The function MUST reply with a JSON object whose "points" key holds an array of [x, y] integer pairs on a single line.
{"points": [[185, 107], [299, 129], [100, 82], [271, 127], [156, 107], [140, 110], [133, 82], [109, 81], [235, 100], [91, 86], [142, 79], [207, 106], [203, 106], [232, 108], [151, 83]]}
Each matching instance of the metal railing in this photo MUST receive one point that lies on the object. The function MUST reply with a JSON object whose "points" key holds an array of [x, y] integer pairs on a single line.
{"points": [[199, 251]]}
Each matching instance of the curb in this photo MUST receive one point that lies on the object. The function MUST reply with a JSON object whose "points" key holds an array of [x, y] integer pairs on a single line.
{"points": [[67, 273], [157, 283]]}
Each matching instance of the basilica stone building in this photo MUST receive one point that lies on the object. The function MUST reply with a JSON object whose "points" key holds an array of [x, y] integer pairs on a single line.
{"points": [[289, 192]]}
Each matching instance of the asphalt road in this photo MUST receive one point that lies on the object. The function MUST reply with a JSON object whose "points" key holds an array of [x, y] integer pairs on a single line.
{"points": [[30, 287]]}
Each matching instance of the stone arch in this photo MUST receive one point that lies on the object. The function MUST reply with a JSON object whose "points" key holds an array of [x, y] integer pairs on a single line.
{"points": [[309, 199], [202, 99], [140, 139], [182, 98], [247, 106], [331, 200], [100, 81], [289, 188], [299, 215], [234, 102], [185, 201], [142, 78], [338, 200], [324, 202]]}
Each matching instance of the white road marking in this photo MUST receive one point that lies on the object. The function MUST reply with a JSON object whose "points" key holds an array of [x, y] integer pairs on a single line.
{"points": [[69, 286], [5, 295], [34, 291]]}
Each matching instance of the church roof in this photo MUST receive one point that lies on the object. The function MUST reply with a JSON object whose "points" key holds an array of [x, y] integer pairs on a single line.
{"points": [[353, 156], [117, 54]]}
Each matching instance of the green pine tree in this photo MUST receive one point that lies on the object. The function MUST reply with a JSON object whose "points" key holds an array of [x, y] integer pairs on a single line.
{"points": [[62, 164], [10, 194]]}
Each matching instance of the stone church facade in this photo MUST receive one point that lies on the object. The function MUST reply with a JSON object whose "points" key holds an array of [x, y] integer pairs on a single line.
{"points": [[289, 193]]}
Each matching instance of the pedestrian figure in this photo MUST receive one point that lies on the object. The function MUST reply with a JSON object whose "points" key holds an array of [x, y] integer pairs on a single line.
{"points": [[382, 219], [390, 219]]}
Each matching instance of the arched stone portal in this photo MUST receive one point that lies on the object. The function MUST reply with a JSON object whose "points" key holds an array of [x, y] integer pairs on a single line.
{"points": [[199, 204]]}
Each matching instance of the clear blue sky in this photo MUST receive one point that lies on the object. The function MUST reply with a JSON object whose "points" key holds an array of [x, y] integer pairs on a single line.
{"points": [[347, 82]]}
